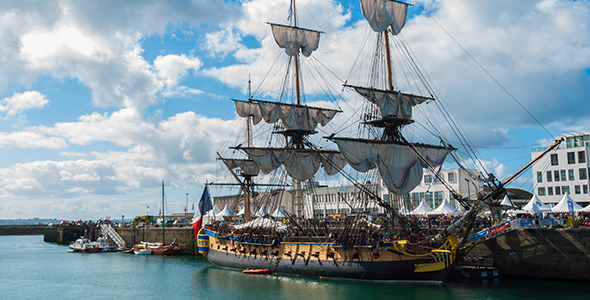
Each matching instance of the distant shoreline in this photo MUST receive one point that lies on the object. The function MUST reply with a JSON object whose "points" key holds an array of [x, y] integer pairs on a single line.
{"points": [[22, 229]]}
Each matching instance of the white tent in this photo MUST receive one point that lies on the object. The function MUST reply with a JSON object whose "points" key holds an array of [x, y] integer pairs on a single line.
{"points": [[279, 213], [535, 206], [445, 208], [213, 214], [563, 206], [262, 223], [262, 211], [226, 212], [507, 202], [585, 209], [421, 209], [242, 212]]}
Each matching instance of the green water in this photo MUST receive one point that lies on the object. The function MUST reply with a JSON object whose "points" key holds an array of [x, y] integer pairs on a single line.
{"points": [[33, 269]]}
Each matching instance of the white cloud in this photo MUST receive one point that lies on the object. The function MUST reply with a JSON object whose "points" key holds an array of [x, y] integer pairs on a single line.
{"points": [[22, 101], [172, 68], [29, 139]]}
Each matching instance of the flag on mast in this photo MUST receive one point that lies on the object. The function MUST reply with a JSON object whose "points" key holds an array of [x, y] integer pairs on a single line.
{"points": [[203, 207], [435, 177]]}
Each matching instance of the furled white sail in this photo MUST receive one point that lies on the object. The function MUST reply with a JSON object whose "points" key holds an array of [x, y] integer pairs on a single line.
{"points": [[249, 109], [248, 167], [301, 165], [384, 13], [295, 39], [294, 117], [391, 103], [399, 165]]}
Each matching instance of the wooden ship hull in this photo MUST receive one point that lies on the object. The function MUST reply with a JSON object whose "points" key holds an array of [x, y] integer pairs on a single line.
{"points": [[390, 261]]}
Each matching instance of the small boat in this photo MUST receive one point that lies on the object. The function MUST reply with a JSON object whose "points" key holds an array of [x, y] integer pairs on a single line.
{"points": [[143, 252], [256, 271], [84, 245], [105, 245]]}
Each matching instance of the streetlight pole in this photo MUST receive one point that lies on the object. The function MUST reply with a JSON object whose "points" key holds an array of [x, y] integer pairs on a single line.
{"points": [[468, 189], [186, 210]]}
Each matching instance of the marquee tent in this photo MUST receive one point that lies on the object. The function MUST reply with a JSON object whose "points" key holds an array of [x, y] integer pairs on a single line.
{"points": [[445, 208], [563, 206], [422, 209], [226, 212]]}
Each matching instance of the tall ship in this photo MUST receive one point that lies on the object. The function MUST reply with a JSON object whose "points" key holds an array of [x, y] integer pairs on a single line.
{"points": [[363, 245]]}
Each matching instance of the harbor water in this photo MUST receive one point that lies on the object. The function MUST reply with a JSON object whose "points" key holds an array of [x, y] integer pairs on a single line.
{"points": [[33, 269]]}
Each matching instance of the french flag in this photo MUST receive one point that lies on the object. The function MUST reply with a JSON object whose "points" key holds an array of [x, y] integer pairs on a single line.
{"points": [[202, 208]]}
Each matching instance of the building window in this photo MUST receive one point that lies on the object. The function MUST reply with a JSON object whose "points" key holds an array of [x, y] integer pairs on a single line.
{"points": [[585, 189], [539, 176], [451, 177], [565, 189], [583, 174], [571, 158], [541, 191], [550, 191], [570, 174], [557, 190], [428, 199], [554, 161], [549, 177], [577, 189], [438, 195], [556, 175], [563, 175], [428, 178], [581, 157]]}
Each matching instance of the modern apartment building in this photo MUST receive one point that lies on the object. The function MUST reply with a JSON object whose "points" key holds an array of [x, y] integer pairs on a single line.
{"points": [[564, 169]]}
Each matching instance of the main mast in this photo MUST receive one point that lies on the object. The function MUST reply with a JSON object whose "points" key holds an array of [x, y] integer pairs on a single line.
{"points": [[400, 163], [301, 160]]}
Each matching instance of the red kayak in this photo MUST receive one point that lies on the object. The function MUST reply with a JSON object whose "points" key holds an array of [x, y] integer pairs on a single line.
{"points": [[256, 271]]}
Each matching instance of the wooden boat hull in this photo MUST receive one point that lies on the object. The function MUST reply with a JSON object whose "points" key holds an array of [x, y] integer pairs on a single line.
{"points": [[165, 250], [385, 262]]}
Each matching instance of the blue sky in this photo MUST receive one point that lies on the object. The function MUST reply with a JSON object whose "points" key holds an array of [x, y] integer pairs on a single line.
{"points": [[101, 100]]}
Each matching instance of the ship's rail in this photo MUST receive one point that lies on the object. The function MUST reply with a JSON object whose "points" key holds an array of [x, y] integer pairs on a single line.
{"points": [[496, 231]]}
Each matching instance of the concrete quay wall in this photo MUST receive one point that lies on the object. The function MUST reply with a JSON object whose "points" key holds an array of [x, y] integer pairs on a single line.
{"points": [[541, 253], [184, 236]]}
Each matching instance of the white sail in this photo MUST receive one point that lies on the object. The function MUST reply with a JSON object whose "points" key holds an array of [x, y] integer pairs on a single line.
{"points": [[301, 165], [295, 39], [399, 165], [293, 117], [249, 109], [391, 103], [384, 13], [248, 167]]}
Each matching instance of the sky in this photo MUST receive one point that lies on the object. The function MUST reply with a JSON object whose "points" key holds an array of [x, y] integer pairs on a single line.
{"points": [[102, 100]]}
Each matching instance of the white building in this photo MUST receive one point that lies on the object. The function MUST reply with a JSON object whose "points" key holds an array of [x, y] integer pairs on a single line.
{"points": [[434, 192], [564, 169], [343, 200]]}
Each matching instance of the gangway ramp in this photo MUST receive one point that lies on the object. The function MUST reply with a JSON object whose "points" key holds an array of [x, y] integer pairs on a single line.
{"points": [[110, 232]]}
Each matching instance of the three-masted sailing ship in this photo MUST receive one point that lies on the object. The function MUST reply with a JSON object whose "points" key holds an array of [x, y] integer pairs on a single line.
{"points": [[354, 249]]}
